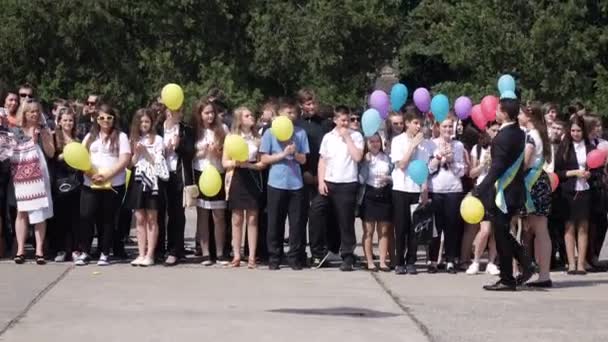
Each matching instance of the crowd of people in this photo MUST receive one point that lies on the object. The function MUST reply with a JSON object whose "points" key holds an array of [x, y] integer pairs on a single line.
{"points": [[320, 180]]}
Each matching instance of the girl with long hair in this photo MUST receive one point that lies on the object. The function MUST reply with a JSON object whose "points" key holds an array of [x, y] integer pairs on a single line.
{"points": [[144, 195], [246, 188], [104, 187], [210, 133]]}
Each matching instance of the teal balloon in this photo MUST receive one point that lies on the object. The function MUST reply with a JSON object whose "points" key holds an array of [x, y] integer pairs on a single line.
{"points": [[418, 171], [370, 122], [506, 83], [398, 96], [440, 107], [509, 94]]}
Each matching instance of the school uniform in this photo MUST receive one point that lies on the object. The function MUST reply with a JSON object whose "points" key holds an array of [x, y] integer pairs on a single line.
{"points": [[143, 192], [245, 190], [575, 191], [376, 205], [217, 201]]}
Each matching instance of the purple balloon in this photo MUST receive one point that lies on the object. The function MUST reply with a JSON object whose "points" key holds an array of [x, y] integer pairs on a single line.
{"points": [[380, 101], [422, 99], [463, 107]]}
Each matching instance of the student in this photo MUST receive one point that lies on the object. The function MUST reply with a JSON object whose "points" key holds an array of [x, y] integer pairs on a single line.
{"points": [[355, 121], [341, 151], [571, 167], [480, 165], [447, 193], [66, 190], [286, 195], [376, 209], [407, 146], [210, 133], [149, 168], [30, 177], [245, 187], [104, 188], [558, 214], [178, 140], [538, 189]]}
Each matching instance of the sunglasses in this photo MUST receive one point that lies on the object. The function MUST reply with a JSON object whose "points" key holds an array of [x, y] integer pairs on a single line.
{"points": [[91, 103], [105, 118], [354, 119], [26, 95]]}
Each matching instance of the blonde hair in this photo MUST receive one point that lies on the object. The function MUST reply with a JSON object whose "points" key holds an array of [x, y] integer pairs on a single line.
{"points": [[25, 107], [238, 121]]}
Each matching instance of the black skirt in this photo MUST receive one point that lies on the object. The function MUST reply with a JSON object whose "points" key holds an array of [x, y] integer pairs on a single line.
{"points": [[245, 189], [137, 198], [376, 204], [577, 204]]}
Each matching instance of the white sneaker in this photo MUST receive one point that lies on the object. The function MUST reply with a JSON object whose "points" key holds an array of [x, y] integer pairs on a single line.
{"points": [[60, 257], [75, 256], [103, 260], [137, 261], [81, 259], [473, 268], [147, 262], [492, 269]]}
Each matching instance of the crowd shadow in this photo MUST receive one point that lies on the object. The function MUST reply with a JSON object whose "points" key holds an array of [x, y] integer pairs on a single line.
{"points": [[336, 311]]}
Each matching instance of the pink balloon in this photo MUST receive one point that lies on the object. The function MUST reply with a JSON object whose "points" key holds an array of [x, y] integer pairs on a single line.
{"points": [[554, 180], [380, 101], [422, 99], [489, 105], [596, 158], [478, 118]]}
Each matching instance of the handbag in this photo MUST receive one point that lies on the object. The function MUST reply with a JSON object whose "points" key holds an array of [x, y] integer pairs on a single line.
{"points": [[190, 192], [423, 222], [66, 185]]}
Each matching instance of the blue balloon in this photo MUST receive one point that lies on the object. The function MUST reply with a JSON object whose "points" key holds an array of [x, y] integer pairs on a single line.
{"points": [[440, 107], [506, 83], [398, 96], [509, 94], [418, 171], [370, 122]]}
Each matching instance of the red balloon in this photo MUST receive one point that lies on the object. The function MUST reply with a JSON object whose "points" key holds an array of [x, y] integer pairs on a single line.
{"points": [[554, 180], [478, 118], [489, 105], [596, 158]]}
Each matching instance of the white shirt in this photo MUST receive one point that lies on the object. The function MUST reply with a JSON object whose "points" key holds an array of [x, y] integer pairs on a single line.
{"points": [[401, 180], [375, 170], [484, 153], [199, 164], [171, 156], [533, 138], [253, 146], [447, 179], [339, 166], [102, 157], [581, 158], [155, 148]]}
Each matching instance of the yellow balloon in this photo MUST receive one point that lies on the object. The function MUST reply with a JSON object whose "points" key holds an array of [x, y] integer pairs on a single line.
{"points": [[172, 96], [128, 179], [282, 128], [471, 210], [210, 181], [102, 186], [77, 156], [236, 148]]}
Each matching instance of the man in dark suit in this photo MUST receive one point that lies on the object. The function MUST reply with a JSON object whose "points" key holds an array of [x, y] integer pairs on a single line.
{"points": [[503, 194]]}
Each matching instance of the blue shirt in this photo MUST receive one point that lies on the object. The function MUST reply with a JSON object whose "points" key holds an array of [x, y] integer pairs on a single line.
{"points": [[286, 173]]}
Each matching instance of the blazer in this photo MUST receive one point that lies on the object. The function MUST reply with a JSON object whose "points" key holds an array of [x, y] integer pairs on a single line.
{"points": [[563, 165], [507, 146]]}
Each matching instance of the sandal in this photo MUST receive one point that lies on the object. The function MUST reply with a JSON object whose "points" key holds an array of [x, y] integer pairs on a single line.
{"points": [[251, 264], [19, 259], [40, 260], [235, 263], [385, 269]]}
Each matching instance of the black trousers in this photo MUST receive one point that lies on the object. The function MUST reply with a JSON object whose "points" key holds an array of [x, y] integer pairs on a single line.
{"points": [[448, 221], [404, 233], [506, 245], [320, 216], [64, 233], [176, 216], [340, 200], [283, 204], [99, 208]]}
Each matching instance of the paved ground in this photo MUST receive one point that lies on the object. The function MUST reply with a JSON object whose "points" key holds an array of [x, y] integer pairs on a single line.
{"points": [[61, 303]]}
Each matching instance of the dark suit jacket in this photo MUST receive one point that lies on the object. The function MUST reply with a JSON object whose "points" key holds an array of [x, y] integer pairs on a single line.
{"points": [[563, 165], [507, 146]]}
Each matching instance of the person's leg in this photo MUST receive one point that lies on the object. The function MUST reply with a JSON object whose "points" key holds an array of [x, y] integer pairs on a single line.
{"points": [[438, 201], [343, 200], [412, 242], [277, 214], [176, 217], [453, 224], [89, 208], [368, 237], [219, 223], [161, 223], [297, 231], [504, 245], [317, 226], [582, 242], [542, 245], [252, 235], [237, 234], [40, 233], [602, 227], [468, 238], [21, 224], [202, 230], [384, 235], [400, 226], [111, 205], [141, 229], [570, 238], [152, 232]]}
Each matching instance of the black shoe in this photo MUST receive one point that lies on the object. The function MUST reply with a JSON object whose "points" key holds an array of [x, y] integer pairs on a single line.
{"points": [[432, 269], [347, 264], [500, 286], [296, 266], [540, 284], [400, 270], [580, 272], [411, 269], [273, 266], [525, 275]]}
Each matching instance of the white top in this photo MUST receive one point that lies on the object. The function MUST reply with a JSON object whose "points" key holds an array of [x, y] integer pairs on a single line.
{"points": [[401, 180], [533, 138], [376, 170], [550, 167], [484, 153], [171, 156], [581, 158], [339, 166], [102, 156], [208, 138], [253, 145], [447, 179], [154, 148]]}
